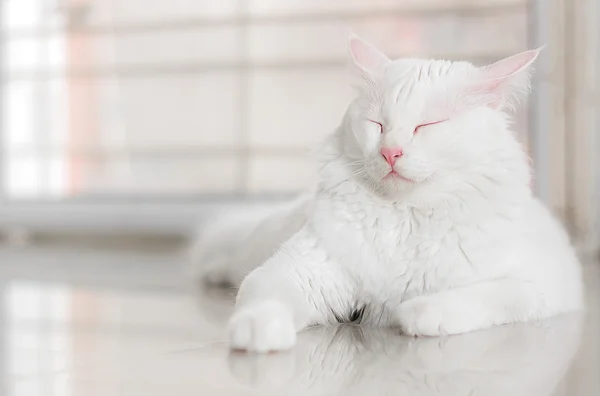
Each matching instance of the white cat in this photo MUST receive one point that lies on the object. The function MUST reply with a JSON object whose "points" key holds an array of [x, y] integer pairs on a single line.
{"points": [[423, 217]]}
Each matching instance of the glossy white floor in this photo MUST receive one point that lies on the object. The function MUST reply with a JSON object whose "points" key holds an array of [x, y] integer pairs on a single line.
{"points": [[82, 322]]}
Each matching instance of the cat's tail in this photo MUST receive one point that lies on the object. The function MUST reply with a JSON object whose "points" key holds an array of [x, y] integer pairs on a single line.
{"points": [[229, 246]]}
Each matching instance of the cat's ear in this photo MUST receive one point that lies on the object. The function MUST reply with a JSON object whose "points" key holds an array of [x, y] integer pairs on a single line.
{"points": [[365, 56], [503, 83]]}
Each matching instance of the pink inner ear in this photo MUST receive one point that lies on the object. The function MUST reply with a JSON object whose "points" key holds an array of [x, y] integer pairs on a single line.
{"points": [[483, 93], [501, 81], [366, 56], [511, 65]]}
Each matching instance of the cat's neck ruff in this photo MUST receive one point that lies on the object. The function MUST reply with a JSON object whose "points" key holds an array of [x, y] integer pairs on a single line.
{"points": [[485, 195]]}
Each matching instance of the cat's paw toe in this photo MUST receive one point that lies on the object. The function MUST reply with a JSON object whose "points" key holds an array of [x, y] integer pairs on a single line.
{"points": [[423, 317], [419, 317], [264, 327], [419, 321]]}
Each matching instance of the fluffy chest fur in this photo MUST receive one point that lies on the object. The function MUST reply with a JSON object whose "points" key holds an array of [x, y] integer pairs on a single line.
{"points": [[394, 251]]}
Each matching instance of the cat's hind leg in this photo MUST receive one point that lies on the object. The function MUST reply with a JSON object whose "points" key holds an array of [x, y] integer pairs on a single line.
{"points": [[230, 246]]}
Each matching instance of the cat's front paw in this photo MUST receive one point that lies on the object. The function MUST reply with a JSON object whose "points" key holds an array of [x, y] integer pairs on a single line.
{"points": [[424, 316], [262, 327]]}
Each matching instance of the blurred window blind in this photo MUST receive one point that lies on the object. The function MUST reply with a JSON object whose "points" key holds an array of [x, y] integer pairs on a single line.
{"points": [[171, 98]]}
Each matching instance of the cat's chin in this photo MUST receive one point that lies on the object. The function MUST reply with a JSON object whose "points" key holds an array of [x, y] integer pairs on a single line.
{"points": [[395, 177], [392, 187]]}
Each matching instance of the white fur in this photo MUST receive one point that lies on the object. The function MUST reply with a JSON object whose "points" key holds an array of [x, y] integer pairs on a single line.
{"points": [[462, 246], [229, 246]]}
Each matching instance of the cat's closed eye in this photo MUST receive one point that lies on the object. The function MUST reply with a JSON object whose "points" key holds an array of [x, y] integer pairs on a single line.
{"points": [[426, 124], [379, 124]]}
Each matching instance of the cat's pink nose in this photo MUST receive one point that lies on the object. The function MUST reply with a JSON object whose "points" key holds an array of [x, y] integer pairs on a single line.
{"points": [[391, 154]]}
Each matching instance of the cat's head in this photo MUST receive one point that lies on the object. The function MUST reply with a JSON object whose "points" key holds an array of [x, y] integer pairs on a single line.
{"points": [[432, 124]]}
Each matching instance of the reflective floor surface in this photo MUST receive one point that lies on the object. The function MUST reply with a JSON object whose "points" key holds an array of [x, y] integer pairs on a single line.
{"points": [[84, 322]]}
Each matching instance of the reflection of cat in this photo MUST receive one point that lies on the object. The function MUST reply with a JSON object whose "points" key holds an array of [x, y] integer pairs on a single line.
{"points": [[512, 360]]}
